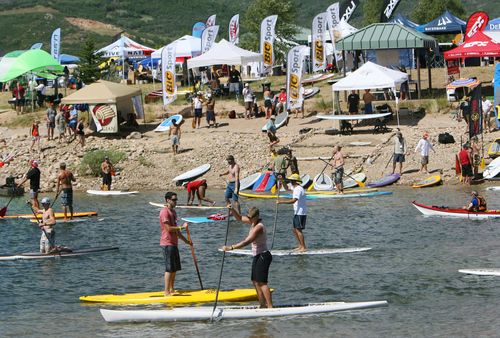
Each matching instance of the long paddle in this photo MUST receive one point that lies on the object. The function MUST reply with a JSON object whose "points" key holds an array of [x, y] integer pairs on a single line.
{"points": [[314, 182], [194, 257], [387, 164], [276, 213], [482, 165], [43, 229], [361, 184], [57, 195], [4, 209]]}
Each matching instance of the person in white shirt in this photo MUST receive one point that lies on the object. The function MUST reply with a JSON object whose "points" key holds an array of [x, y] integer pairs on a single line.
{"points": [[198, 109], [248, 97], [487, 112], [41, 94], [299, 209], [424, 145]]}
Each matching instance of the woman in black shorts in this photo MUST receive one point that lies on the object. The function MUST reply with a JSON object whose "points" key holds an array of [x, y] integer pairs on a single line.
{"points": [[80, 134]]}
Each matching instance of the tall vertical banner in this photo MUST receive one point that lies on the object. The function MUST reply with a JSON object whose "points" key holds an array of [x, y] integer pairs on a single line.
{"points": [[388, 8], [477, 22], [208, 38], [318, 35], [234, 29], [267, 37], [168, 73], [211, 20], [476, 112], [496, 91], [333, 17], [55, 45], [294, 67], [37, 45], [348, 7]]}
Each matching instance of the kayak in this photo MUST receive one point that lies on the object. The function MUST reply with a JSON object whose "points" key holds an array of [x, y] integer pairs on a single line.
{"points": [[481, 272], [433, 180], [386, 180], [161, 205], [39, 255], [323, 182], [295, 253], [351, 183], [456, 212], [492, 169], [111, 192], [181, 296], [57, 215], [370, 194], [309, 193], [230, 312], [249, 181]]}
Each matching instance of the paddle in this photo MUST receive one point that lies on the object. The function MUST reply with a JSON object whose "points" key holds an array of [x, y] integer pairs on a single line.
{"points": [[43, 229], [482, 165], [194, 257], [387, 164], [276, 213], [246, 206], [4, 209], [361, 184], [57, 195], [314, 182]]}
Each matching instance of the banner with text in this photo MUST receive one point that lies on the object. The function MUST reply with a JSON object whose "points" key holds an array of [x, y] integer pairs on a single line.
{"points": [[55, 45], [168, 73], [208, 38], [388, 9], [234, 29], [333, 17], [267, 37], [318, 36], [348, 8], [477, 22], [476, 112], [294, 66]]}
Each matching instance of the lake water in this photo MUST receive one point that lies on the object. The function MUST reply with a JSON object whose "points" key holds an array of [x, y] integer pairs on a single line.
{"points": [[413, 265]]}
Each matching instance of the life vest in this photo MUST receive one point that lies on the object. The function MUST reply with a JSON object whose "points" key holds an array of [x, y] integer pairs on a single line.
{"points": [[34, 130], [481, 203]]}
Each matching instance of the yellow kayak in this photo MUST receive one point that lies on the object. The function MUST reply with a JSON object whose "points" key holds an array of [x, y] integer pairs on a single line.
{"points": [[181, 297], [310, 192]]}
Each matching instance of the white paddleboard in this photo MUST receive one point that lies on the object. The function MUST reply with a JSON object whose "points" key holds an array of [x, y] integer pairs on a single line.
{"points": [[352, 117], [323, 182], [196, 172], [111, 192], [74, 220], [161, 205], [492, 169], [481, 272], [249, 181], [295, 253], [279, 122], [165, 125], [493, 188], [350, 183]]}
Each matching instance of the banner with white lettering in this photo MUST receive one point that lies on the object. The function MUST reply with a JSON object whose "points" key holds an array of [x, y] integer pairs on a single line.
{"points": [[168, 73], [211, 20], [477, 22], [294, 67], [318, 37], [333, 17], [208, 38], [267, 37], [55, 45], [348, 8], [234, 29], [388, 9]]}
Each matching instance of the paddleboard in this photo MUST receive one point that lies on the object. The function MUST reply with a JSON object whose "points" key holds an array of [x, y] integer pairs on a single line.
{"points": [[111, 192], [76, 220], [198, 220], [309, 93], [264, 183], [386, 180], [481, 272], [196, 172], [161, 205], [311, 192], [180, 296], [359, 144], [493, 188], [351, 183], [165, 125], [433, 180], [317, 78], [352, 117], [280, 121], [39, 255], [492, 169], [57, 215], [323, 182], [204, 313], [494, 150], [295, 253], [372, 194], [249, 181]]}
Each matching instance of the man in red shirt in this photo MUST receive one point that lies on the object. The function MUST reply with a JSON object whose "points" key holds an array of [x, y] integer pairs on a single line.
{"points": [[199, 188], [466, 163], [18, 93], [170, 233]]}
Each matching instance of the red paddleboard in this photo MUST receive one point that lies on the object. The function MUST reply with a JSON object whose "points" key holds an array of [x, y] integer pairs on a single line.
{"points": [[264, 183]]}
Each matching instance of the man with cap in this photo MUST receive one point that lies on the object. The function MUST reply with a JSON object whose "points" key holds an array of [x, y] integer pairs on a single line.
{"points": [[424, 145], [106, 168], [281, 105], [47, 241], [299, 209], [34, 176], [233, 186], [399, 152], [478, 203], [248, 98], [51, 121], [211, 111], [465, 157], [199, 188], [271, 132]]}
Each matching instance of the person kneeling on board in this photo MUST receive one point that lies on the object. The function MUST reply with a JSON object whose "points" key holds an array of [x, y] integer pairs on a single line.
{"points": [[47, 222], [299, 209], [199, 188], [262, 257], [478, 203]]}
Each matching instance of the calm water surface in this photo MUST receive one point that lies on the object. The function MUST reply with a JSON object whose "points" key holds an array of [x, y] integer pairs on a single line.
{"points": [[413, 265]]}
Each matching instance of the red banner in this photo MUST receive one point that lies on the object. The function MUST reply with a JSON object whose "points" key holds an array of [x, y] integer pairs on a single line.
{"points": [[477, 22], [452, 66]]}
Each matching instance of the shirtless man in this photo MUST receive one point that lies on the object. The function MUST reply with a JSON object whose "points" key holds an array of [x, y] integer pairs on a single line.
{"points": [[47, 223], [234, 182], [338, 165], [65, 177], [107, 168], [175, 136], [368, 99]]}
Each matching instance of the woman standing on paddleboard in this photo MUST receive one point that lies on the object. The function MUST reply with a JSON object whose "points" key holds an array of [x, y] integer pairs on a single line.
{"points": [[262, 257]]}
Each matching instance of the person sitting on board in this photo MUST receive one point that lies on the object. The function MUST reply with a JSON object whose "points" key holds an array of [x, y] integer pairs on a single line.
{"points": [[233, 186], [47, 222], [478, 203], [174, 132], [299, 209], [262, 257], [199, 188], [65, 178], [271, 133], [465, 158], [170, 233], [107, 169], [399, 152], [338, 169]]}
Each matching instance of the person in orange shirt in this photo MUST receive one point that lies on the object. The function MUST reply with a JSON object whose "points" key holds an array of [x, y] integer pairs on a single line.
{"points": [[35, 135]]}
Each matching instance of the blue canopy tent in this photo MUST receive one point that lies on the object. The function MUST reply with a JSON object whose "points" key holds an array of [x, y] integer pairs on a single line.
{"points": [[404, 21], [447, 23], [493, 30], [68, 59]]}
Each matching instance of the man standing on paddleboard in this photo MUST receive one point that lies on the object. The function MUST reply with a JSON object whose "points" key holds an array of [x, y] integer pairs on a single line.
{"points": [[107, 168], [399, 152], [65, 177], [233, 187], [338, 169], [170, 233], [299, 210], [48, 221], [34, 176]]}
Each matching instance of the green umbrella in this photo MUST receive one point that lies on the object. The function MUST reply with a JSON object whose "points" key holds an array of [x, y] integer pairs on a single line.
{"points": [[32, 61]]}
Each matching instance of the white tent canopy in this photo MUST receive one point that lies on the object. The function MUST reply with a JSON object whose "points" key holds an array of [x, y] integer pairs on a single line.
{"points": [[125, 47], [225, 53], [187, 46]]}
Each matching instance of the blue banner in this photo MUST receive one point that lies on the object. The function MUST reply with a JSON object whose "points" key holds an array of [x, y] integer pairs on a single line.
{"points": [[496, 92]]}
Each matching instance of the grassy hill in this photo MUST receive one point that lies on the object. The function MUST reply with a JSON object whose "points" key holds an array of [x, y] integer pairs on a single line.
{"points": [[152, 22]]}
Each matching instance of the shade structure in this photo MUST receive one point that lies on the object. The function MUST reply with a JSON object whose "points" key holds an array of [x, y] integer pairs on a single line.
{"points": [[447, 23], [125, 47], [402, 20], [187, 46], [225, 53], [469, 83], [493, 30], [102, 92], [68, 59], [479, 45], [34, 61]]}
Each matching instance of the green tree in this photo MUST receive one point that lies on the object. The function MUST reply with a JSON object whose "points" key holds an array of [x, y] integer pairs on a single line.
{"points": [[88, 66], [286, 28], [372, 9], [428, 10]]}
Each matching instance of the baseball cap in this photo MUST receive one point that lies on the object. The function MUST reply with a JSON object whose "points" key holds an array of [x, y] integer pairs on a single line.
{"points": [[273, 117], [209, 95], [45, 200], [426, 135], [246, 85], [34, 163], [106, 157], [52, 104], [399, 134]]}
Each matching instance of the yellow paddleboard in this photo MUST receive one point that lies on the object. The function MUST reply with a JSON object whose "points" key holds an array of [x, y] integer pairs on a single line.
{"points": [[310, 192], [494, 151], [180, 297], [433, 180], [57, 215]]}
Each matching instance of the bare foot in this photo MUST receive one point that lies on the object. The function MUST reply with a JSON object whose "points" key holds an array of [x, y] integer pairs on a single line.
{"points": [[302, 250], [64, 220], [213, 203], [296, 249]]}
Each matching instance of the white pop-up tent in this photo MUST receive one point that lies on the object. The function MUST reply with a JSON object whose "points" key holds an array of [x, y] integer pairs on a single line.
{"points": [[187, 46], [371, 76], [225, 53]]}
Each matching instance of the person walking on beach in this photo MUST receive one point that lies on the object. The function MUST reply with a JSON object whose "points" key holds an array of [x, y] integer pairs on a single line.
{"points": [[61, 125], [170, 233], [48, 221], [271, 132], [199, 188], [487, 112], [106, 168], [35, 136], [80, 134], [248, 98], [233, 187], [73, 120], [368, 99], [174, 132], [279, 166], [65, 178], [34, 176], [262, 257], [399, 152], [338, 169], [465, 162], [51, 121], [299, 210], [211, 111], [424, 145]]}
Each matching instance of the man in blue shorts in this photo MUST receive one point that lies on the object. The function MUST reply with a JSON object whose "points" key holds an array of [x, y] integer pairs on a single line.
{"points": [[399, 152], [234, 182], [65, 178]]}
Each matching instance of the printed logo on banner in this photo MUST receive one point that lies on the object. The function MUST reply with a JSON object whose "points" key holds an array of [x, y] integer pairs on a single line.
{"points": [[268, 53], [476, 44], [390, 8], [294, 88], [318, 52], [349, 10], [444, 21], [104, 114], [169, 83]]}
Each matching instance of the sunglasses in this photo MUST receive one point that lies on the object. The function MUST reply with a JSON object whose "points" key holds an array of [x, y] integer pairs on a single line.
{"points": [[174, 199], [250, 216]]}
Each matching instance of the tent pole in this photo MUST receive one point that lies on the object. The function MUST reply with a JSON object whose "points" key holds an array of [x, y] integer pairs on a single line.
{"points": [[419, 89], [143, 112], [429, 69]]}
